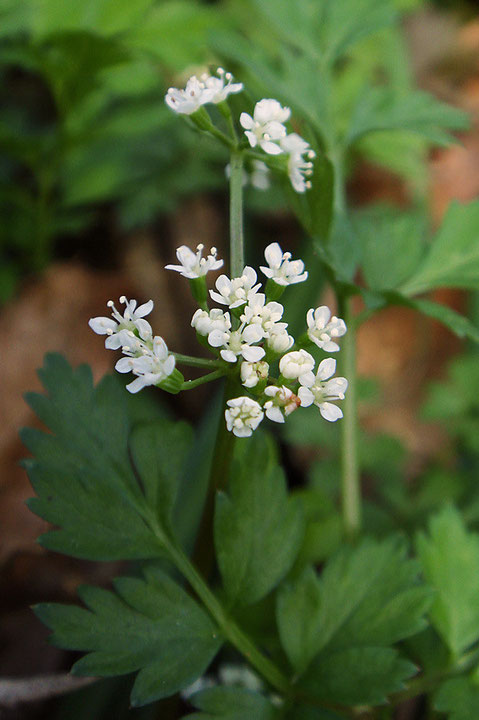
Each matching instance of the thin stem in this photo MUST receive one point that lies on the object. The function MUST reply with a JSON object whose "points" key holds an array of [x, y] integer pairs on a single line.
{"points": [[228, 627], [236, 215], [219, 474], [195, 362], [191, 384], [350, 479], [427, 683]]}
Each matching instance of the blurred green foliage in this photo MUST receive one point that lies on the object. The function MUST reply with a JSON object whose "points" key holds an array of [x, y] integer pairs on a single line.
{"points": [[83, 122]]}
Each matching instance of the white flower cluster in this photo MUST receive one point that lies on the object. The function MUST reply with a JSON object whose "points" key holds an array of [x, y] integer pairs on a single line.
{"points": [[247, 334], [198, 92], [252, 332], [265, 129], [147, 357]]}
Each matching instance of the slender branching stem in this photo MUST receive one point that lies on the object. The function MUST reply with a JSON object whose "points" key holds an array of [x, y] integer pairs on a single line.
{"points": [[196, 362], [191, 384]]}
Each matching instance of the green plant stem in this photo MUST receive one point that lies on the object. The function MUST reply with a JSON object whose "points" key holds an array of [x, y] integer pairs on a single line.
{"points": [[350, 479], [220, 467], [236, 214], [191, 384], [195, 362], [427, 683], [228, 627]]}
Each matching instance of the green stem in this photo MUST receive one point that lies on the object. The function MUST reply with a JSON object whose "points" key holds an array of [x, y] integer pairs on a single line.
{"points": [[236, 215], [350, 479], [219, 474], [195, 362], [427, 683], [228, 627], [191, 384]]}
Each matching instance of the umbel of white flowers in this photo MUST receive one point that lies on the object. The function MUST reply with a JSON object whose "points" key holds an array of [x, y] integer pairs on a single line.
{"points": [[248, 337], [265, 130]]}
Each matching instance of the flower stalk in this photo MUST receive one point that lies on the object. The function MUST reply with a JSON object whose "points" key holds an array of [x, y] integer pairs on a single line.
{"points": [[350, 479], [236, 215]]}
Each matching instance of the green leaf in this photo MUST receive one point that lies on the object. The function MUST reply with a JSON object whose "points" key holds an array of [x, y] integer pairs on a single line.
{"points": [[392, 244], [454, 321], [459, 698], [158, 451], [232, 703], [176, 32], [358, 676], [343, 23], [450, 558], [82, 472], [105, 17], [453, 257], [457, 323], [258, 530], [417, 112], [299, 618], [368, 596], [150, 625]]}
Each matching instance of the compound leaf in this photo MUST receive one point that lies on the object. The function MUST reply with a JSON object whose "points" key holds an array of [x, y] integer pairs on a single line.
{"points": [[258, 530], [453, 257], [232, 703], [148, 625], [82, 472], [450, 558]]}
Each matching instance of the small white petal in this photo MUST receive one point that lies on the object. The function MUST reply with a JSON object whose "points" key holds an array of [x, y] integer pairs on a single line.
{"points": [[326, 369], [330, 412]]}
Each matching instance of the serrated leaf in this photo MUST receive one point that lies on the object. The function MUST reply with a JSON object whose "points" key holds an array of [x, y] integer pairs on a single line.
{"points": [[158, 451], [368, 596], [299, 618], [232, 703], [258, 530], [449, 554], [82, 472], [459, 698], [343, 23], [418, 112], [453, 257], [148, 625], [457, 323], [454, 321], [358, 676], [392, 245]]}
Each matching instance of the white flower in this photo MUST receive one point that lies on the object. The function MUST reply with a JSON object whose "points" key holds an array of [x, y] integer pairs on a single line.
{"points": [[322, 327], [153, 366], [266, 126], [282, 269], [260, 175], [265, 314], [253, 372], [193, 265], [217, 84], [205, 322], [283, 403], [243, 415], [238, 342], [297, 365], [237, 291], [298, 168], [278, 339], [132, 319], [321, 390], [190, 99]]}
